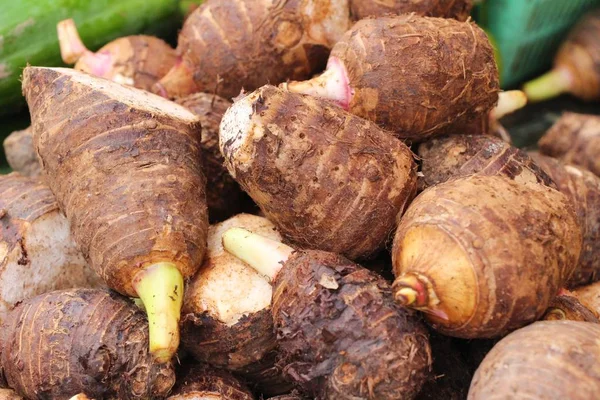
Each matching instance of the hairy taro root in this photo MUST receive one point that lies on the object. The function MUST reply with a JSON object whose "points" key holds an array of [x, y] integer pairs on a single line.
{"points": [[226, 314], [574, 139], [138, 60], [20, 154], [444, 75], [551, 360], [484, 255], [269, 41], [126, 168], [457, 9], [340, 334], [95, 342], [323, 176], [201, 382]]}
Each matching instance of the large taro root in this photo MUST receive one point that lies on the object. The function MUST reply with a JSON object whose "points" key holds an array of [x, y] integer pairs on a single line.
{"points": [[227, 46], [20, 154], [458, 9], [415, 76], [484, 255], [551, 360], [201, 382], [327, 179], [126, 168], [95, 342], [340, 334]]}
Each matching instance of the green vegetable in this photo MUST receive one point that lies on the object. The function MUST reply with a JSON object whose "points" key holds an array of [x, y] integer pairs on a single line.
{"points": [[28, 32]]}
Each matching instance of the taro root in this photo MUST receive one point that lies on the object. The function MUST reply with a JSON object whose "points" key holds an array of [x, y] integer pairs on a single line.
{"points": [[589, 296], [566, 306], [444, 75], [201, 382], [224, 197], [574, 139], [291, 396], [8, 394], [137, 60], [269, 41], [484, 255], [20, 154], [340, 334], [37, 252], [457, 156], [576, 65], [323, 176], [126, 168], [226, 314], [546, 360], [89, 341], [583, 189], [457, 9]]}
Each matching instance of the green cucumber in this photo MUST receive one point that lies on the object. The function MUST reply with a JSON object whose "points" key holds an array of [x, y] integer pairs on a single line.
{"points": [[28, 32]]}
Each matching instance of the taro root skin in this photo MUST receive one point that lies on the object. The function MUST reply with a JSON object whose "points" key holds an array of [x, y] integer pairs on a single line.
{"points": [[62, 343], [551, 360], [457, 9], [589, 296], [324, 177], [20, 154], [566, 306], [201, 382], [513, 245]]}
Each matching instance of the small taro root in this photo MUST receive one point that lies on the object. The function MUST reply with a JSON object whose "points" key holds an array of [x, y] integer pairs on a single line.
{"points": [[327, 179], [576, 65], [223, 195], [457, 9], [201, 382], [550, 360], [444, 75], [583, 189], [226, 314], [574, 139], [37, 252], [20, 154], [457, 156], [225, 46], [126, 168], [340, 334], [566, 306], [95, 342], [138, 60], [484, 255]]}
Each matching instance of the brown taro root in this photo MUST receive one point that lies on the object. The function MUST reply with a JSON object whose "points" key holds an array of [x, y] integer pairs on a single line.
{"points": [[583, 189], [458, 9], [550, 360], [457, 156], [589, 296], [201, 382], [126, 168], [226, 314], [223, 195], [566, 306], [95, 342], [8, 394], [576, 65], [20, 154], [291, 396], [225, 46], [574, 139], [484, 255], [340, 334], [444, 75], [37, 252], [327, 179], [138, 60]]}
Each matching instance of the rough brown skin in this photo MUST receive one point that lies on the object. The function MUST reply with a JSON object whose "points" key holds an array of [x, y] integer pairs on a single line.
{"points": [[292, 396], [216, 327], [567, 307], [340, 333], [513, 245], [201, 382], [225, 46], [37, 251], [7, 394], [62, 343], [223, 195], [323, 176], [20, 154], [574, 139], [462, 155], [583, 189], [444, 74], [542, 361], [127, 175], [589, 296], [457, 9]]}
